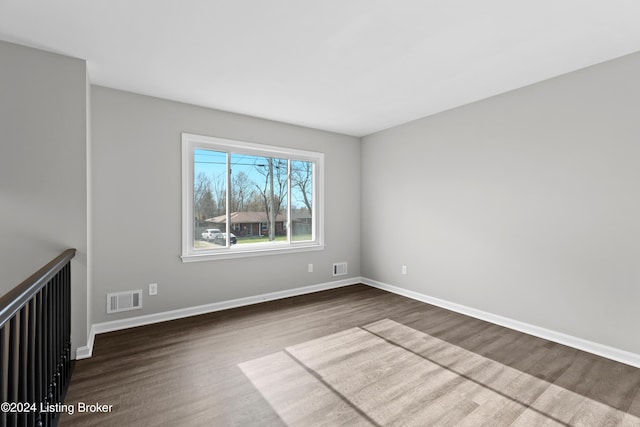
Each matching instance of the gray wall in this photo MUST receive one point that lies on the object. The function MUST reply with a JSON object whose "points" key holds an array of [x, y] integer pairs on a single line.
{"points": [[136, 192], [43, 169], [525, 205]]}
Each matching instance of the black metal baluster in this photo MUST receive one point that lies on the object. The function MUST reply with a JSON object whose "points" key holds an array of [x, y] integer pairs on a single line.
{"points": [[46, 352], [54, 336], [61, 336], [31, 362], [39, 359], [14, 343], [67, 322], [57, 335], [49, 346], [23, 352], [35, 345], [4, 373]]}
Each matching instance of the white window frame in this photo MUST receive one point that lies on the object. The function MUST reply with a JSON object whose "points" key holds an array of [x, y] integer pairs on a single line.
{"points": [[191, 142]]}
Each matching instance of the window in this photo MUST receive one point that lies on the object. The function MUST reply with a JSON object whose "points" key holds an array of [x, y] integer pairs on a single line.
{"points": [[245, 199]]}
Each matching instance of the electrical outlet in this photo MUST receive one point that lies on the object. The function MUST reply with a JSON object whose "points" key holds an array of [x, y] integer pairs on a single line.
{"points": [[153, 289], [404, 270], [310, 268]]}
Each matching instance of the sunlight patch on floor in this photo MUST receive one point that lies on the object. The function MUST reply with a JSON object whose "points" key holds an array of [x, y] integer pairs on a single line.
{"points": [[386, 373]]}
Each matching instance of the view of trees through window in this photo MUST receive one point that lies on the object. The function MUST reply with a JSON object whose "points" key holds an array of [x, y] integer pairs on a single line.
{"points": [[270, 199]]}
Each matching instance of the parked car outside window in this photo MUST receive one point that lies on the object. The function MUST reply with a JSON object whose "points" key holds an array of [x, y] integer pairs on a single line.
{"points": [[221, 239], [210, 234]]}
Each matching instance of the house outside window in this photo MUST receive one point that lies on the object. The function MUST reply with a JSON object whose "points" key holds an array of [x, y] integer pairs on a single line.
{"points": [[246, 199]]}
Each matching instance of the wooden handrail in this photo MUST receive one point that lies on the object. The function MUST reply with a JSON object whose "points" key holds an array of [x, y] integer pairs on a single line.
{"points": [[17, 297]]}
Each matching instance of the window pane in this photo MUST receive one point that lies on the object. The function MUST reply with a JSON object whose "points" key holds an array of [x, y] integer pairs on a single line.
{"points": [[246, 199], [258, 199], [209, 198], [301, 200]]}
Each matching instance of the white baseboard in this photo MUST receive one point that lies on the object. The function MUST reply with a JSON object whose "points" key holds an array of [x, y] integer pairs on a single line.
{"points": [[612, 353], [99, 328], [85, 352]]}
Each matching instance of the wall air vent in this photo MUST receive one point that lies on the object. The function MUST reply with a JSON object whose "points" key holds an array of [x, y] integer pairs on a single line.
{"points": [[124, 301], [339, 268]]}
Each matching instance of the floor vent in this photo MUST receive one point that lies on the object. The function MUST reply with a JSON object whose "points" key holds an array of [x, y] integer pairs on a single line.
{"points": [[124, 301], [339, 268]]}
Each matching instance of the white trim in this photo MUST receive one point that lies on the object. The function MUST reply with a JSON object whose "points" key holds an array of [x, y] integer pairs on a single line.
{"points": [[622, 356], [608, 352], [259, 251], [86, 351], [190, 142], [131, 322], [89, 213], [251, 148], [187, 180]]}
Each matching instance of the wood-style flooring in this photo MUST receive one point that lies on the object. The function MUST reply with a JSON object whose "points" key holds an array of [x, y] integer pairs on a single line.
{"points": [[349, 356]]}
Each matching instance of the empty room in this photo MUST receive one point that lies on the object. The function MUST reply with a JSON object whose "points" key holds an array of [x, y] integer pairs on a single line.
{"points": [[295, 213]]}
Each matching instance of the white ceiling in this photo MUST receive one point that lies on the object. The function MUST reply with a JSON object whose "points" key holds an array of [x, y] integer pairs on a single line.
{"points": [[349, 66]]}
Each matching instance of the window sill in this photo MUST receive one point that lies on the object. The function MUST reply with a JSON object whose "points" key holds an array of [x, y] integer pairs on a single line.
{"points": [[230, 254]]}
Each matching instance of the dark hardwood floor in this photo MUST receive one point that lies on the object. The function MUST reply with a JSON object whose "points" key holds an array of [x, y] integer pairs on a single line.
{"points": [[271, 364]]}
